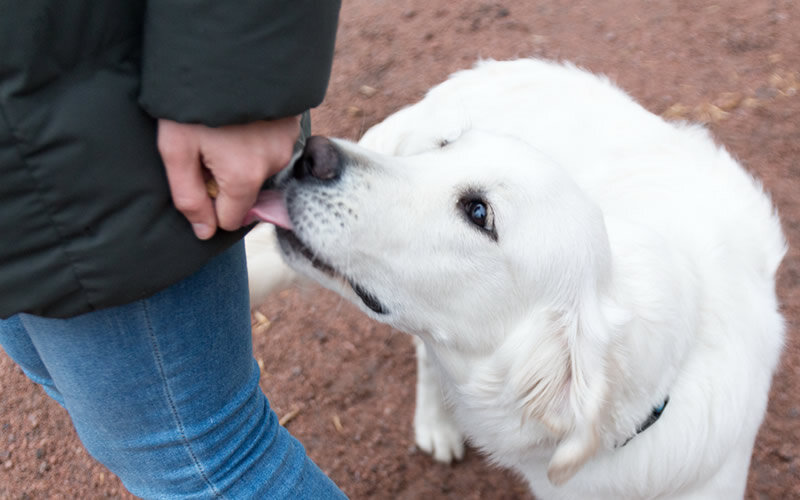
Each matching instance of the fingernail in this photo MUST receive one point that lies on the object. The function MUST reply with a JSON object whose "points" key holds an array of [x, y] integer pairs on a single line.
{"points": [[202, 231]]}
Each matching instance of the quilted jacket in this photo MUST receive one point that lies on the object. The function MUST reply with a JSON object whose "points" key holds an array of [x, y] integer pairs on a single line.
{"points": [[86, 219]]}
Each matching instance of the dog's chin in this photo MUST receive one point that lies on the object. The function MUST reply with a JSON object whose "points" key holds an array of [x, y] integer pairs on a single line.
{"points": [[298, 252]]}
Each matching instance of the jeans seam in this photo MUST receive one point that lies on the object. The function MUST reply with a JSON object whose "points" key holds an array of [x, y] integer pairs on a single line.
{"points": [[171, 401]]}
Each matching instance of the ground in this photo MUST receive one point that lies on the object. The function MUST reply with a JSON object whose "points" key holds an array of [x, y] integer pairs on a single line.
{"points": [[345, 384]]}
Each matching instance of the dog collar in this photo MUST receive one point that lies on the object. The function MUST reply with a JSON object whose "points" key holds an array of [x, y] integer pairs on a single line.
{"points": [[651, 419]]}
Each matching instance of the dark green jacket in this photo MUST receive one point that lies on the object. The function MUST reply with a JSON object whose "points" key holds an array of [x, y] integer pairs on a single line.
{"points": [[86, 219]]}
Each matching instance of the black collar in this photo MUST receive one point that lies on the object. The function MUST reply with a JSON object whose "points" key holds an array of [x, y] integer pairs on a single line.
{"points": [[654, 415]]}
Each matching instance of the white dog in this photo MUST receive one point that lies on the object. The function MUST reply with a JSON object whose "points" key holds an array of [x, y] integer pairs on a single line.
{"points": [[593, 288]]}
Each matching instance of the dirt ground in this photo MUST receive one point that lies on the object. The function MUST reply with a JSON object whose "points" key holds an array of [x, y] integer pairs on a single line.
{"points": [[348, 381]]}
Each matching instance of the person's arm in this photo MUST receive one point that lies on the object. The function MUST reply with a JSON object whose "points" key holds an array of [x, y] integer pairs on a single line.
{"points": [[222, 63], [227, 81]]}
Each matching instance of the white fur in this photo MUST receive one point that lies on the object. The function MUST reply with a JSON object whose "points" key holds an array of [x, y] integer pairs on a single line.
{"points": [[267, 272], [634, 260]]}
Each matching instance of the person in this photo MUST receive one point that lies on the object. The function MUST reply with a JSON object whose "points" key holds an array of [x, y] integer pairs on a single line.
{"points": [[123, 288]]}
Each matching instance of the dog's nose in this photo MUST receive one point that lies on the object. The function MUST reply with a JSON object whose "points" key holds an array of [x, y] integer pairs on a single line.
{"points": [[319, 160]]}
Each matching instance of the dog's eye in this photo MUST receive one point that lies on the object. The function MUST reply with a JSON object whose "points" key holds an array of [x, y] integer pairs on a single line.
{"points": [[479, 213]]}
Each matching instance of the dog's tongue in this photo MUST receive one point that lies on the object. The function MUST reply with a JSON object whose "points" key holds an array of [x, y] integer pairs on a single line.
{"points": [[270, 207]]}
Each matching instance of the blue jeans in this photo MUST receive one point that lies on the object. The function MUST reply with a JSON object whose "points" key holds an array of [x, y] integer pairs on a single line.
{"points": [[164, 391]]}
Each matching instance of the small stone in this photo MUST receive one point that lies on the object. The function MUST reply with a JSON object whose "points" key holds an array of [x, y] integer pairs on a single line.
{"points": [[8, 464], [786, 452], [43, 467], [354, 111], [40, 453]]}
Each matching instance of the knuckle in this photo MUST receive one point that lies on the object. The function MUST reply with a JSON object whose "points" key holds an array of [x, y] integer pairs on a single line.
{"points": [[236, 190], [283, 156], [170, 153], [246, 183], [188, 204]]}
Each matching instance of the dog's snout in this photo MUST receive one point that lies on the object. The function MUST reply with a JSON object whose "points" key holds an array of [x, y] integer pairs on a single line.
{"points": [[320, 160]]}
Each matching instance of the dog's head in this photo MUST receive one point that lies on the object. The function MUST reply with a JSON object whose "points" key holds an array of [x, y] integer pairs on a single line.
{"points": [[460, 243]]}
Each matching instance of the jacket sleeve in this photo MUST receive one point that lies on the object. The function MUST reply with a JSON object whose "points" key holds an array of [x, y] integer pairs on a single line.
{"points": [[219, 63]]}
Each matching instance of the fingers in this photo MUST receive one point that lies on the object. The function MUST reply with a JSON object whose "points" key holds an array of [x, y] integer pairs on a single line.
{"points": [[181, 156], [241, 158], [238, 157], [237, 194]]}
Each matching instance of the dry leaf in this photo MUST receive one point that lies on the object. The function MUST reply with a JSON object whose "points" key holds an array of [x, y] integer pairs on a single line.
{"points": [[676, 112], [261, 321], [776, 80], [789, 84], [728, 101], [751, 102], [367, 91], [337, 423], [708, 113], [289, 416]]}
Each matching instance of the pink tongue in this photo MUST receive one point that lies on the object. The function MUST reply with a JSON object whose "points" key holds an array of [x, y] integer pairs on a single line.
{"points": [[270, 207]]}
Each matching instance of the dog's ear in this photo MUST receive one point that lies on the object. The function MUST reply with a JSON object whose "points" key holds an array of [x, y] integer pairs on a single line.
{"points": [[562, 381], [589, 335]]}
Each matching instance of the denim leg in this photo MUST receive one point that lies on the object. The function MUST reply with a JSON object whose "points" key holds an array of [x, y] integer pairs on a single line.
{"points": [[164, 392], [17, 344]]}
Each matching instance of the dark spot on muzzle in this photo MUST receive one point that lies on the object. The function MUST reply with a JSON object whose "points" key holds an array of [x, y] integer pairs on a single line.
{"points": [[368, 299]]}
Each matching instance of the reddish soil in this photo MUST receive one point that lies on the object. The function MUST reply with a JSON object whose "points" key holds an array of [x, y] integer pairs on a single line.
{"points": [[734, 65]]}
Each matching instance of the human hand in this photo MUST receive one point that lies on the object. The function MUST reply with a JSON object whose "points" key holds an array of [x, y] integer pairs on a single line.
{"points": [[238, 157]]}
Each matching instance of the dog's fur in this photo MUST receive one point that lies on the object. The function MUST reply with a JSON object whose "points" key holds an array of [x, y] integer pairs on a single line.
{"points": [[626, 260]]}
